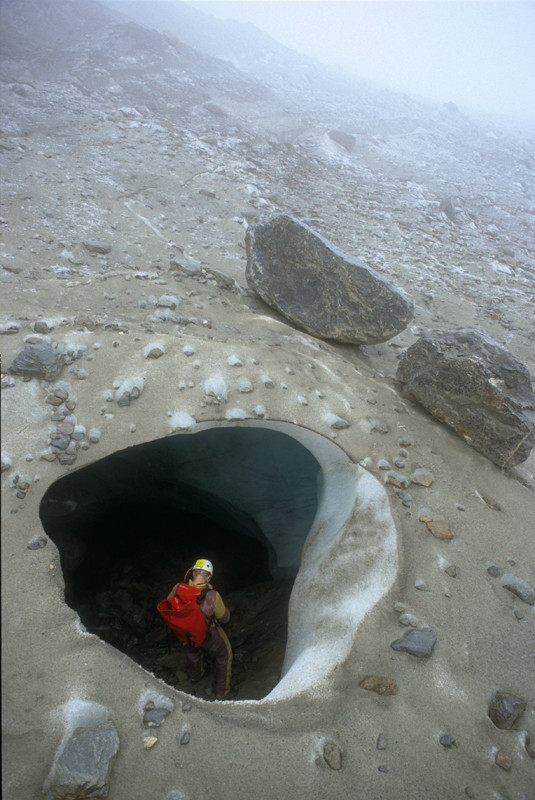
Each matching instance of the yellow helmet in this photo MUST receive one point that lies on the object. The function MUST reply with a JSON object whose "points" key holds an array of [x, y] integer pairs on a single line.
{"points": [[204, 564]]}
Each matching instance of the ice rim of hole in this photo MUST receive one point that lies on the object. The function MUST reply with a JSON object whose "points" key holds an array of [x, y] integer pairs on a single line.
{"points": [[349, 561]]}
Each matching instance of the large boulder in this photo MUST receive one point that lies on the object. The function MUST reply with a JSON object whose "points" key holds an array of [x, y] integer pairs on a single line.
{"points": [[318, 287], [473, 384]]}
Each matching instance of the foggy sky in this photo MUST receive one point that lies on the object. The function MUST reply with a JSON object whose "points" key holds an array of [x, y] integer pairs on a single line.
{"points": [[478, 54]]}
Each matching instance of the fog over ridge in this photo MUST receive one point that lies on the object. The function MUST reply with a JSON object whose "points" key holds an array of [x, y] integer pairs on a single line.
{"points": [[477, 54]]}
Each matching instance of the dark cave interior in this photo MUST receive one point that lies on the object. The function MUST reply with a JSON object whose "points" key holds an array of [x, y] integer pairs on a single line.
{"points": [[128, 527]]}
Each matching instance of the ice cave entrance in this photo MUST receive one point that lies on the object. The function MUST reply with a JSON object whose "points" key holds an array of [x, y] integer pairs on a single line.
{"points": [[282, 512]]}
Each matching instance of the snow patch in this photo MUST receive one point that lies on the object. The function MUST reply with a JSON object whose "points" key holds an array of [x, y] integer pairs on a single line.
{"points": [[181, 421]]}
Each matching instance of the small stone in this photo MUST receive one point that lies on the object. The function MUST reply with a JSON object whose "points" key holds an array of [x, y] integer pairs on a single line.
{"points": [[167, 301], [416, 643], [395, 479], [185, 738], [336, 422], [66, 459], [37, 543], [245, 386], [383, 464], [421, 586], [503, 761], [493, 570], [97, 247], [447, 740], [234, 361], [188, 350], [381, 742], [154, 351], [469, 791], [518, 587], [530, 749], [6, 462], [94, 435], [149, 742], [408, 620], [268, 383], [332, 755], [52, 400], [382, 768], [379, 684], [451, 571], [439, 528], [49, 454], [505, 709], [422, 477]]}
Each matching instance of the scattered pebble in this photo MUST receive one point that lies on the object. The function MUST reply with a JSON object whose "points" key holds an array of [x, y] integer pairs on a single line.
{"points": [[447, 740], [336, 422], [234, 361], [503, 761], [518, 587], [422, 477], [155, 350], [381, 742], [438, 527], [505, 709], [416, 643], [188, 350]]}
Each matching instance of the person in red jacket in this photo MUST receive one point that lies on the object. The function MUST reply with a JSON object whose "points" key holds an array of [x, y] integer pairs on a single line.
{"points": [[216, 642]]}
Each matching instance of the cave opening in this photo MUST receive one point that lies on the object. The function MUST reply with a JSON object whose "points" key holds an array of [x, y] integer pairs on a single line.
{"points": [[130, 525]]}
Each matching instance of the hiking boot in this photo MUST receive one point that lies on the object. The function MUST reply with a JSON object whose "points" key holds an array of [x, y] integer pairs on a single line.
{"points": [[230, 695], [196, 678]]}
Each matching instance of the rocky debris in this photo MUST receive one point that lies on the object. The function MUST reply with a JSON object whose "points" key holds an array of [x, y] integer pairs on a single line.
{"points": [[83, 768], [128, 390], [419, 643], [519, 587], [379, 684], [6, 462], [505, 709], [149, 742], [38, 361], [467, 380], [438, 527], [8, 328], [318, 287], [332, 755]]}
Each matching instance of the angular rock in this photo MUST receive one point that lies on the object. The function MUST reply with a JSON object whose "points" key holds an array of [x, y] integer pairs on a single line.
{"points": [[83, 769], [469, 381], [38, 361], [505, 709], [318, 287], [416, 643], [519, 587]]}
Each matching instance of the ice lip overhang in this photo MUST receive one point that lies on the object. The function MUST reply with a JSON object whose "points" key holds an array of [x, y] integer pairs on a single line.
{"points": [[349, 561]]}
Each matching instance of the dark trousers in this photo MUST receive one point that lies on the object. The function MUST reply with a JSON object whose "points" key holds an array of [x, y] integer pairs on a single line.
{"points": [[217, 645]]}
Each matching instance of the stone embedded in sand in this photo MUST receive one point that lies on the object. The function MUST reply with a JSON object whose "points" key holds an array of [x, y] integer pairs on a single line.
{"points": [[38, 361], [416, 643], [503, 761], [318, 287], [519, 587], [83, 769], [438, 527], [469, 381], [97, 247], [332, 755], [505, 709], [379, 684], [422, 477]]}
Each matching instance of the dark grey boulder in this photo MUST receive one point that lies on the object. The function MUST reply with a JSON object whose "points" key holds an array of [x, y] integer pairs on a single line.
{"points": [[505, 709], [318, 287], [346, 140], [473, 384], [84, 766], [38, 361], [416, 643]]}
